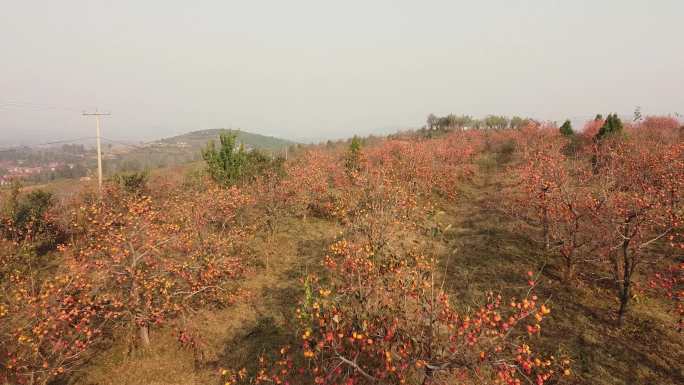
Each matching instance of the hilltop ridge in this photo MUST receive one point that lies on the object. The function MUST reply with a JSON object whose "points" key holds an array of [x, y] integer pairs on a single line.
{"points": [[200, 138]]}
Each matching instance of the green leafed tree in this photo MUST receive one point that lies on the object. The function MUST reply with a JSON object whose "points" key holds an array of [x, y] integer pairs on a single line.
{"points": [[517, 122], [459, 121], [495, 122]]}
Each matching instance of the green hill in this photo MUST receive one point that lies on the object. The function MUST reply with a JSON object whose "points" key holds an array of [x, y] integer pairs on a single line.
{"points": [[200, 138], [181, 149]]}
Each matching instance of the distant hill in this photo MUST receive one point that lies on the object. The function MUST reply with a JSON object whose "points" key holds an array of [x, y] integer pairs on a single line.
{"points": [[180, 149], [199, 139]]}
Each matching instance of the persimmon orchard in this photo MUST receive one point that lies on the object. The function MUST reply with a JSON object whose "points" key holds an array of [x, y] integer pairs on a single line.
{"points": [[134, 262], [378, 313], [610, 204], [80, 275], [385, 320], [154, 261], [556, 196]]}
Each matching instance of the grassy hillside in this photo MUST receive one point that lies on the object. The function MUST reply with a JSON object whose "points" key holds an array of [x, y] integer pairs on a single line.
{"points": [[198, 139]]}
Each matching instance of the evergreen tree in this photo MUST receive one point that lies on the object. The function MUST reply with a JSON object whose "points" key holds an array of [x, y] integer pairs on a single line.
{"points": [[231, 164], [566, 129], [227, 163], [352, 161], [612, 125]]}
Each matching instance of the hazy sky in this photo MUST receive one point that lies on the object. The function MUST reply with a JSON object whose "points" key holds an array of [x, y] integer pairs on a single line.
{"points": [[312, 69]]}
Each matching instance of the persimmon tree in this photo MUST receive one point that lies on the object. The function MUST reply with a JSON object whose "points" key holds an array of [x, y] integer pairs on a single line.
{"points": [[539, 176], [571, 228], [663, 129], [591, 129], [565, 202], [387, 320], [134, 260], [40, 312], [642, 190], [376, 208], [309, 181], [392, 192], [152, 261], [425, 166], [48, 329]]}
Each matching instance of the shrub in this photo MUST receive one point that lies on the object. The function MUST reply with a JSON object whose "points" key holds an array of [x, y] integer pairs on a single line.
{"points": [[132, 182], [260, 163], [504, 153], [26, 218]]}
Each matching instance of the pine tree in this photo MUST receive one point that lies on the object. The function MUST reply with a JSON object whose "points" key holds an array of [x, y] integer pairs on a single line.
{"points": [[227, 163], [566, 129], [612, 125], [352, 161]]}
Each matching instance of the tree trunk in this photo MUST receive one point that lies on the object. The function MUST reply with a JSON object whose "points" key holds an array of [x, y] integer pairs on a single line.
{"points": [[626, 282], [569, 270], [624, 299], [144, 333], [545, 224]]}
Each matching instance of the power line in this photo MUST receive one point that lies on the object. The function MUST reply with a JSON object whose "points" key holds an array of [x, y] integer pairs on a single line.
{"points": [[65, 141], [7, 104], [152, 148], [124, 144], [14, 148], [46, 143]]}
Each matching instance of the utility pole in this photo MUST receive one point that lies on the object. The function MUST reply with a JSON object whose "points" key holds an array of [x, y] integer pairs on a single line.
{"points": [[99, 151]]}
